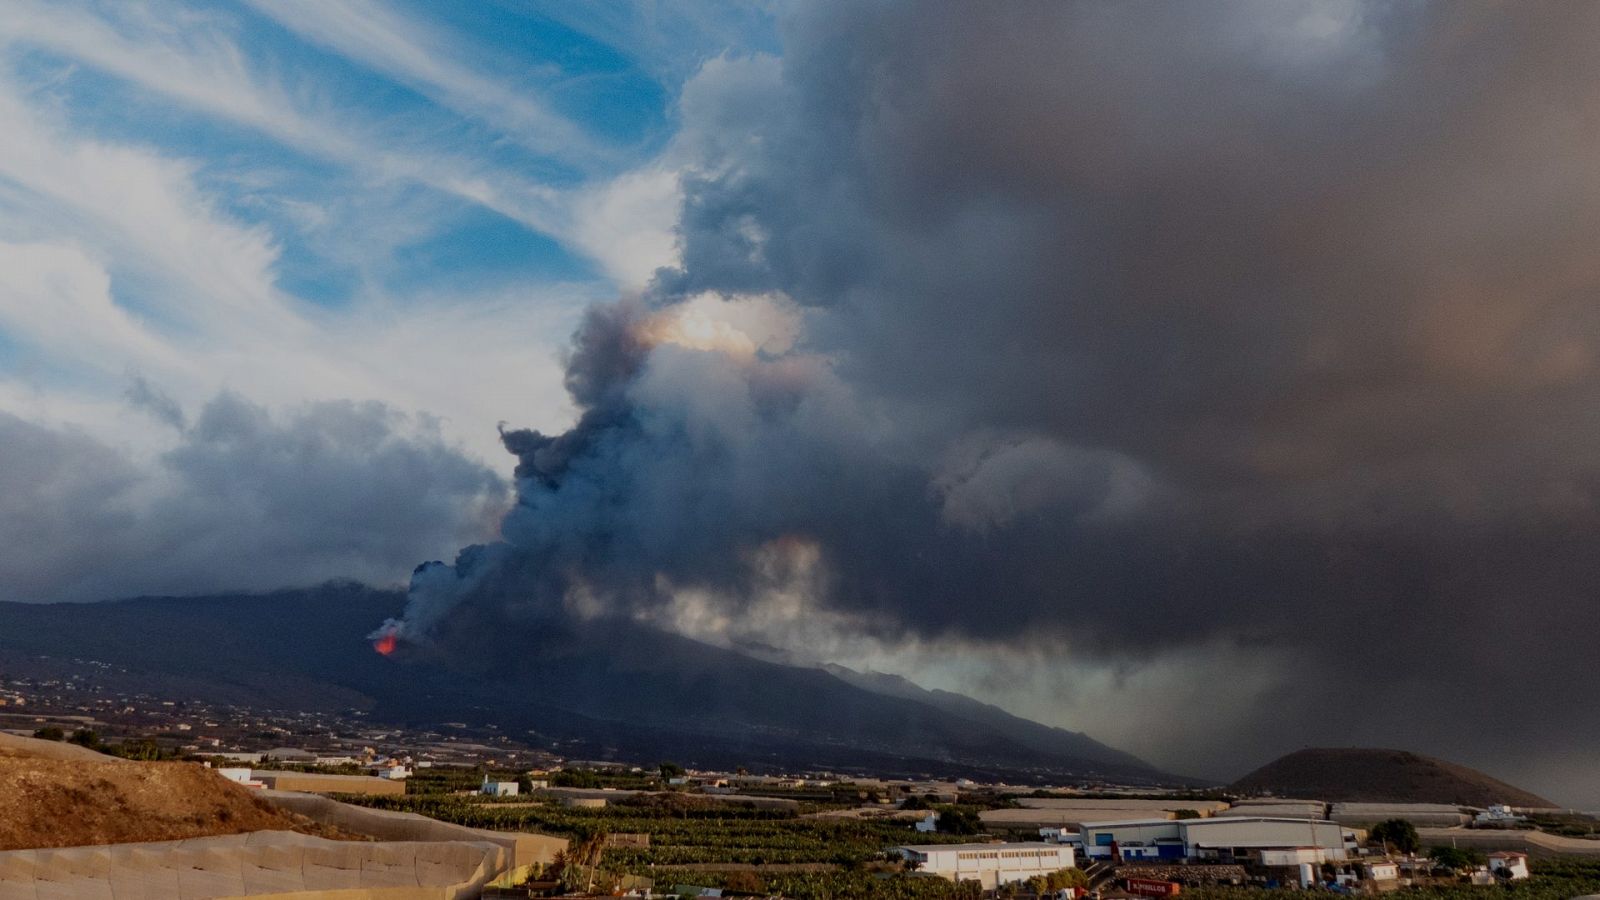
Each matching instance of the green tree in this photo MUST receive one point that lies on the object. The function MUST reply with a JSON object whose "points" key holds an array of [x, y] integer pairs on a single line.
{"points": [[581, 857], [954, 820], [744, 882], [1186, 814], [671, 770], [1058, 880], [143, 750], [50, 733], [577, 778], [1455, 858], [1397, 834], [84, 737]]}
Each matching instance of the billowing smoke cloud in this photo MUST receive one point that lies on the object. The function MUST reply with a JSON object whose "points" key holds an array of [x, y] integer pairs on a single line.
{"points": [[1120, 329], [245, 500]]}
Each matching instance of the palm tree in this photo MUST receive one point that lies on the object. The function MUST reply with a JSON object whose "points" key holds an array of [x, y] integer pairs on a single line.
{"points": [[585, 851]]}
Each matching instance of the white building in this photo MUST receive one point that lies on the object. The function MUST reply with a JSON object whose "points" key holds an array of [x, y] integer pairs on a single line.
{"points": [[928, 824], [1497, 814], [1513, 862], [240, 776], [1062, 836], [991, 865], [1380, 870], [1259, 840], [498, 788]]}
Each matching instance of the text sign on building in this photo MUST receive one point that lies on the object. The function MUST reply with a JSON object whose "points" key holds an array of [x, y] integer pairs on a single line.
{"points": [[1149, 887]]}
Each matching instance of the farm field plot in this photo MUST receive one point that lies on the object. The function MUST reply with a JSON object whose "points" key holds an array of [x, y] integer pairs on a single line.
{"points": [[684, 832]]}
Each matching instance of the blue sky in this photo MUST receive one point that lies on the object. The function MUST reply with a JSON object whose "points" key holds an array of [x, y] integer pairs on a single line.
{"points": [[299, 201]]}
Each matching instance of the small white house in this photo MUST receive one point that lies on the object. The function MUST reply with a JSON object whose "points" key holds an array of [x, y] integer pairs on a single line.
{"points": [[928, 824], [498, 788], [1513, 863], [240, 776], [1380, 870], [1062, 836]]}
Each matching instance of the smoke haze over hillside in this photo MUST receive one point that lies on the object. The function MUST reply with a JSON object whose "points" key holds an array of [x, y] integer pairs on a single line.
{"points": [[1258, 337]]}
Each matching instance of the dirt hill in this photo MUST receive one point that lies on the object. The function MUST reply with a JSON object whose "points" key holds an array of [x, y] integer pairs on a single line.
{"points": [[15, 747], [1380, 776], [60, 795]]}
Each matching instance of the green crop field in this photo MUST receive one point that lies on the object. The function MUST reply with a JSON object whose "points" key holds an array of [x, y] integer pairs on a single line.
{"points": [[1555, 879]]}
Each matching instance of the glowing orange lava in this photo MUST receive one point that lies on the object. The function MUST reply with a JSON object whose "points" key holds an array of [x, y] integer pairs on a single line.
{"points": [[384, 645]]}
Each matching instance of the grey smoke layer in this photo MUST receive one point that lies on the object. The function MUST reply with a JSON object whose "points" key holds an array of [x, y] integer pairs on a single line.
{"points": [[1127, 326], [246, 500]]}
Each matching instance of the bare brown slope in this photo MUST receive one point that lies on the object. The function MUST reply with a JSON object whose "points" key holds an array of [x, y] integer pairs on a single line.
{"points": [[15, 747], [51, 796], [1361, 775]]}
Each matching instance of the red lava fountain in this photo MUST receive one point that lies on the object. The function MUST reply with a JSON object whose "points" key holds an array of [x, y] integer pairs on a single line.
{"points": [[384, 645]]}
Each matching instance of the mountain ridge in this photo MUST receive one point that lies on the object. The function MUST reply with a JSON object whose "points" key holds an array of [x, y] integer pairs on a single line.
{"points": [[608, 686]]}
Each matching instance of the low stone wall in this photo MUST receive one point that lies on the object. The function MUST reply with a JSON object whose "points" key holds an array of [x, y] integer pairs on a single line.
{"points": [[526, 850], [325, 783], [261, 864], [1198, 873]]}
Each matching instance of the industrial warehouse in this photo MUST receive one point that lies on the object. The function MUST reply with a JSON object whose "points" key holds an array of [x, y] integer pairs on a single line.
{"points": [[1258, 841], [990, 865], [1205, 847]]}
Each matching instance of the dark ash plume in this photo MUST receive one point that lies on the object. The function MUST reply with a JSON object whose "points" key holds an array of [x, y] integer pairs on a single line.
{"points": [[1127, 327]]}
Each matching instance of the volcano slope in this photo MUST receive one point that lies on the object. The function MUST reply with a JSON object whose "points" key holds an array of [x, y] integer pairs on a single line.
{"points": [[1363, 775], [601, 688]]}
